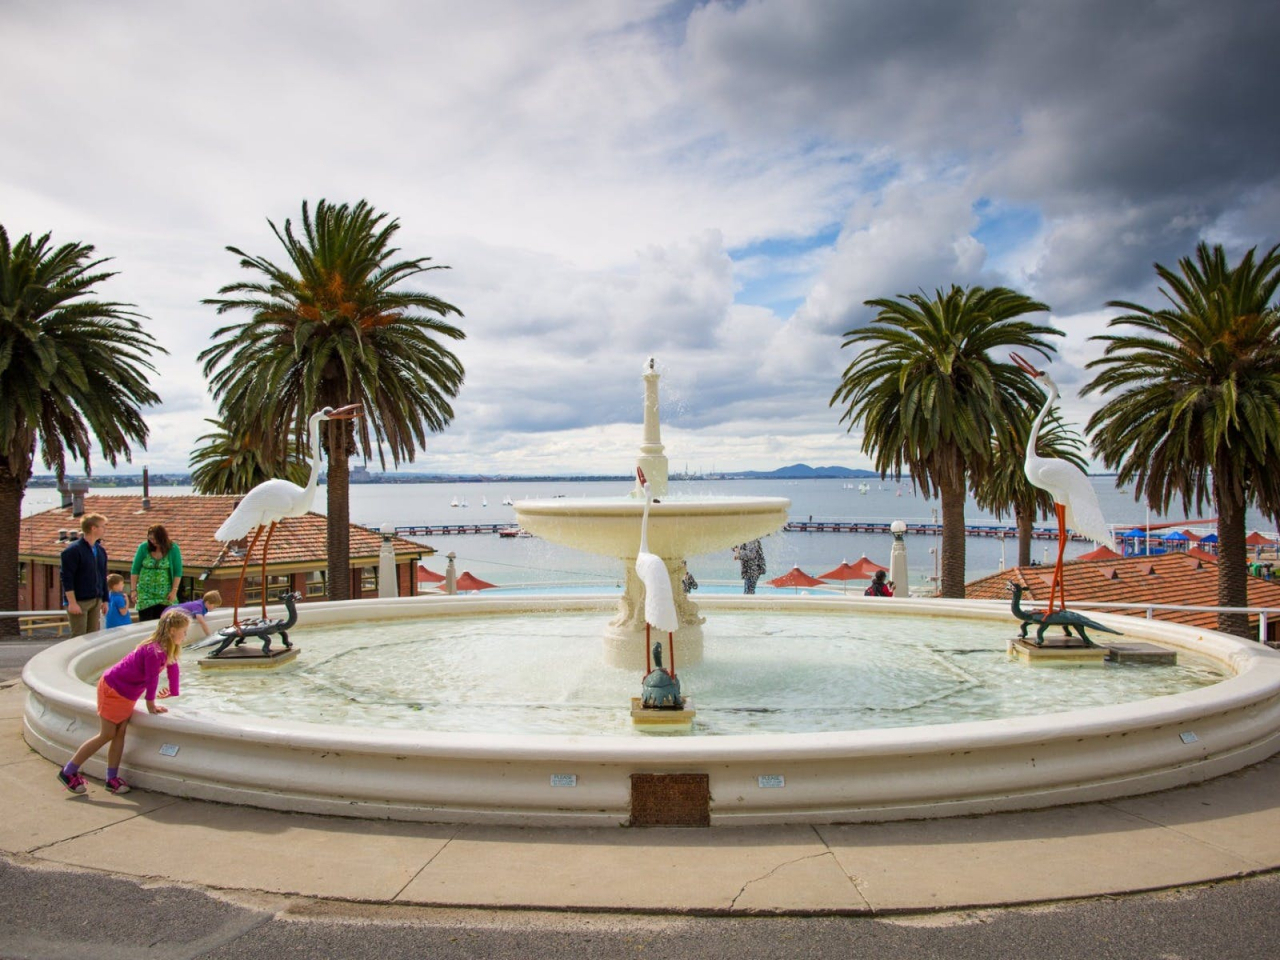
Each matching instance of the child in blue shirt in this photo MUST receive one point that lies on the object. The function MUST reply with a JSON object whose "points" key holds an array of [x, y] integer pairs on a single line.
{"points": [[196, 609], [117, 602]]}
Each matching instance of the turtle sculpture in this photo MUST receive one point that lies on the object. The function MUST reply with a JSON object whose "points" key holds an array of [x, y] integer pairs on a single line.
{"points": [[660, 689], [1067, 619], [261, 629]]}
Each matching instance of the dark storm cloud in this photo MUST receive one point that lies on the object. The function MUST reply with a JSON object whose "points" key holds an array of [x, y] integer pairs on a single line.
{"points": [[1133, 125]]}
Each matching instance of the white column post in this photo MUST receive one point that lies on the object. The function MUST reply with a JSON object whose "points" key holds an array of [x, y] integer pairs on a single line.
{"points": [[451, 575], [388, 588]]}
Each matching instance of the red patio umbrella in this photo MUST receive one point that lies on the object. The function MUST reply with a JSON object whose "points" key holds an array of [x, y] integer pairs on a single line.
{"points": [[1191, 534], [868, 568], [468, 582], [1101, 553], [795, 577], [1256, 539], [429, 576], [864, 569]]}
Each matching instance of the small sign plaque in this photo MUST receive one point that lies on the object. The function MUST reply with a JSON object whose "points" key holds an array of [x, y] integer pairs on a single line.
{"points": [[1188, 737], [168, 749], [564, 779], [772, 780]]}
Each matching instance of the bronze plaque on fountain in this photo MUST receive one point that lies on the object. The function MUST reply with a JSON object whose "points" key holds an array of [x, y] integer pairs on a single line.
{"points": [[670, 800]]}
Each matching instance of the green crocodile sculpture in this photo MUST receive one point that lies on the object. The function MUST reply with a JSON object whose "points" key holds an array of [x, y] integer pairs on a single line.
{"points": [[1066, 619]]}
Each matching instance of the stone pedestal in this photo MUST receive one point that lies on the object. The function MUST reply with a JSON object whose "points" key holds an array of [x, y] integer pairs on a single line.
{"points": [[250, 658], [1056, 652], [662, 721], [625, 641]]}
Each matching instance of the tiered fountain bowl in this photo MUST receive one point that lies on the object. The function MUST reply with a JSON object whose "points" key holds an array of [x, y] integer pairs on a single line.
{"points": [[678, 528]]}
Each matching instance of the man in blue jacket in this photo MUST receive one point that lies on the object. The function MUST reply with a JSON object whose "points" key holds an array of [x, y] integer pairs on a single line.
{"points": [[84, 576]]}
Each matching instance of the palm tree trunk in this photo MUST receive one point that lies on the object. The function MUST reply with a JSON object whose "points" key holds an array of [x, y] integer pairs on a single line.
{"points": [[339, 500], [952, 559], [1233, 552], [11, 491], [1025, 516]]}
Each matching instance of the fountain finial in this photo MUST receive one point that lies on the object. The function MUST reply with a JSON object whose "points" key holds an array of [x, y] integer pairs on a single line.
{"points": [[652, 460]]}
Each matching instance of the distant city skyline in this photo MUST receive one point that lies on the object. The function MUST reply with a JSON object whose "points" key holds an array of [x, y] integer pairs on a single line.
{"points": [[719, 185]]}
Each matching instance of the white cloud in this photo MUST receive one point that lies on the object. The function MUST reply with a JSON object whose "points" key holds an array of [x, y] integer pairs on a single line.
{"points": [[610, 179]]}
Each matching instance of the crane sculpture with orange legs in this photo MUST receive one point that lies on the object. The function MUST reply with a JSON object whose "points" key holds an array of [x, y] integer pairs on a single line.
{"points": [[274, 500]]}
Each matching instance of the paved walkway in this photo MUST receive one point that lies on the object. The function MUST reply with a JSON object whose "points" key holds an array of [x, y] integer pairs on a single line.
{"points": [[1229, 827]]}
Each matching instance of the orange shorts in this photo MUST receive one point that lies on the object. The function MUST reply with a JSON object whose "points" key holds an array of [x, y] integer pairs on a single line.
{"points": [[112, 706]]}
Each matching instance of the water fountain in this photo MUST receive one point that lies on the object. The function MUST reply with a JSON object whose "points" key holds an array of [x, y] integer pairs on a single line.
{"points": [[679, 528], [585, 774]]}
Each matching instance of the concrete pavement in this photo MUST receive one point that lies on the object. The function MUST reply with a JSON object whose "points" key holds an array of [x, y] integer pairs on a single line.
{"points": [[1227, 828]]}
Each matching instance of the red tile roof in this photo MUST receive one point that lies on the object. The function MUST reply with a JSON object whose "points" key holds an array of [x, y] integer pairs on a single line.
{"points": [[191, 521], [1172, 578]]}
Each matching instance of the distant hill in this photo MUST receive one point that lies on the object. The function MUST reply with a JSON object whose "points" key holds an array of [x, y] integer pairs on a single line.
{"points": [[802, 471], [360, 474]]}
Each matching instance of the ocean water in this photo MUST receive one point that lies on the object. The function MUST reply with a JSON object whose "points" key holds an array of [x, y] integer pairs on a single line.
{"points": [[530, 561]]}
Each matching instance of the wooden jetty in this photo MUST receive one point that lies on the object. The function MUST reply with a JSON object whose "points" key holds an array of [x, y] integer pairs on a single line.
{"points": [[925, 529], [792, 526]]}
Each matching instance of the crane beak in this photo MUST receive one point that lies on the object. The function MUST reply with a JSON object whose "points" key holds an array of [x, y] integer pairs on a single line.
{"points": [[1025, 367], [640, 476], [349, 412]]}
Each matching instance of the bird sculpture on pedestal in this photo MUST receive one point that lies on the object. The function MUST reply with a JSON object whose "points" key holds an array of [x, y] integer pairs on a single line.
{"points": [[1074, 501], [272, 501], [659, 601]]}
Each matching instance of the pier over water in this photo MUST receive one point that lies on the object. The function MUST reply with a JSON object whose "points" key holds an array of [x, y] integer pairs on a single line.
{"points": [[793, 526]]}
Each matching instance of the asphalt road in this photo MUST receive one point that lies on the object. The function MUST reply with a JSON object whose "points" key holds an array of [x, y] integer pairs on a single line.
{"points": [[52, 913], [15, 653]]}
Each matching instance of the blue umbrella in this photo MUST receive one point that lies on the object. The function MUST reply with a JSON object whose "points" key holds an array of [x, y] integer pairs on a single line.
{"points": [[1135, 532], [1176, 535], [1211, 538]]}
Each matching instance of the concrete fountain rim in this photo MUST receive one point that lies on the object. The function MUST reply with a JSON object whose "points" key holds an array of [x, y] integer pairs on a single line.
{"points": [[58, 673]]}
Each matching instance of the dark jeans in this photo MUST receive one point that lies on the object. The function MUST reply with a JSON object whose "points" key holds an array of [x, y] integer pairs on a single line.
{"points": [[749, 584], [153, 612]]}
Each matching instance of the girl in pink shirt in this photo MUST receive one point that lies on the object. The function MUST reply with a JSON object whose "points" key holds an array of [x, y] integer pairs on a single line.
{"points": [[137, 675]]}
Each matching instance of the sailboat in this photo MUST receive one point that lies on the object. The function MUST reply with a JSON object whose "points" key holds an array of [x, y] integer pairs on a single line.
{"points": [[453, 502], [464, 502], [863, 488], [484, 501]]}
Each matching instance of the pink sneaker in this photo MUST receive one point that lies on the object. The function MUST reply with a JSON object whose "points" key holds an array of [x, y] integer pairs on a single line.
{"points": [[74, 782], [117, 785]]}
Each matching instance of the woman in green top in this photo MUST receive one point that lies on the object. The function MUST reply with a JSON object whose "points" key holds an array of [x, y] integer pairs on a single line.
{"points": [[156, 573]]}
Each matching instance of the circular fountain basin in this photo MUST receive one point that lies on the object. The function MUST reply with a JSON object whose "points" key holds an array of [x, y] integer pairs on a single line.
{"points": [[828, 775], [678, 526]]}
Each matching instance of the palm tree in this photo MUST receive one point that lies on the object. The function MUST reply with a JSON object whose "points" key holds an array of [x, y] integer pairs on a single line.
{"points": [[232, 462], [1194, 405], [73, 370], [1006, 489], [929, 393], [327, 329]]}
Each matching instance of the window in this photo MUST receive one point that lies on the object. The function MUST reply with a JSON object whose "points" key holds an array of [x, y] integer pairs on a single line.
{"points": [[278, 585], [368, 579], [317, 584]]}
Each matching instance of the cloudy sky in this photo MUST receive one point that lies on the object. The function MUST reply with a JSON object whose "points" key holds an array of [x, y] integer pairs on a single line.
{"points": [[720, 185]]}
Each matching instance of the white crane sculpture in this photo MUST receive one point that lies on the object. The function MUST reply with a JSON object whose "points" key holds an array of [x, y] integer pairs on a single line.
{"points": [[272, 500], [659, 602], [1073, 498]]}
